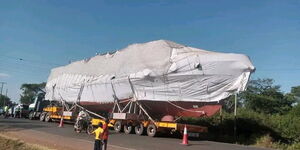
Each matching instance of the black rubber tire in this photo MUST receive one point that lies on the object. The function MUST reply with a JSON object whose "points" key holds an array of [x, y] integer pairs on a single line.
{"points": [[128, 128], [31, 115], [118, 126], [139, 129], [42, 116], [77, 130], [90, 129], [47, 118], [79, 126], [151, 130]]}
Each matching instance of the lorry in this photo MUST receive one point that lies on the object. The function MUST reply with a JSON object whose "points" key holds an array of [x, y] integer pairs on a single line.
{"points": [[146, 87], [48, 111], [120, 122], [36, 108]]}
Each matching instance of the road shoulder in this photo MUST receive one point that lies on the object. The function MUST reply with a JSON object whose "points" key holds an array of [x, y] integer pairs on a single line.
{"points": [[49, 140]]}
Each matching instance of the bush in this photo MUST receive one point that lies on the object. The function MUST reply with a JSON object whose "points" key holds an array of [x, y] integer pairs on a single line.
{"points": [[265, 141], [294, 146], [288, 127], [276, 131]]}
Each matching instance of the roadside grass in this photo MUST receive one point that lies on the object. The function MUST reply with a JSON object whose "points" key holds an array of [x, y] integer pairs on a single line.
{"points": [[257, 129], [8, 143], [268, 142]]}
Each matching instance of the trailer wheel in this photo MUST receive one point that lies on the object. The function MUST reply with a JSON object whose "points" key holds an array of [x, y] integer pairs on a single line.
{"points": [[128, 128], [47, 117], [151, 130], [30, 116], [42, 116], [118, 126], [139, 129]]}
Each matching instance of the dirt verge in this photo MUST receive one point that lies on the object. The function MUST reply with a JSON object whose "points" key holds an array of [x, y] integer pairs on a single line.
{"points": [[8, 143]]}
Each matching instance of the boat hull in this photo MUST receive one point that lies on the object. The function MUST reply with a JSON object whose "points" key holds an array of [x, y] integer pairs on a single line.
{"points": [[159, 109]]}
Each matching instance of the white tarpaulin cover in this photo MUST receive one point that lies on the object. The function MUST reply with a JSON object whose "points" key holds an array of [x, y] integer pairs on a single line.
{"points": [[158, 70]]}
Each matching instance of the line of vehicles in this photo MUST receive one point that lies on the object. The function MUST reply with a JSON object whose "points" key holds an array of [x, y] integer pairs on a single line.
{"points": [[16, 111]]}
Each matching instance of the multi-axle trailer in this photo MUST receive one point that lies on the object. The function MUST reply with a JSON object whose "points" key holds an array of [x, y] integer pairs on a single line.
{"points": [[120, 121]]}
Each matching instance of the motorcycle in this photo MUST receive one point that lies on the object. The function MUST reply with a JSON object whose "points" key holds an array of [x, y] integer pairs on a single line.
{"points": [[83, 123]]}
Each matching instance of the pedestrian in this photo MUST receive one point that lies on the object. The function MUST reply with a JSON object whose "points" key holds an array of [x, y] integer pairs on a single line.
{"points": [[98, 132], [5, 111], [105, 134]]}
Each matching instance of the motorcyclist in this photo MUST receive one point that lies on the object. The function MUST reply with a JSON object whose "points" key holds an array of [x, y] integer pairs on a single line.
{"points": [[81, 121]]}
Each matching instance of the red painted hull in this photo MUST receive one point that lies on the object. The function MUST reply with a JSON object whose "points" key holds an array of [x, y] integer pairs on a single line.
{"points": [[158, 109]]}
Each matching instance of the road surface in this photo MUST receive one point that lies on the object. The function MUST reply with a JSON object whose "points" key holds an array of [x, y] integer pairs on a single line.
{"points": [[48, 134]]}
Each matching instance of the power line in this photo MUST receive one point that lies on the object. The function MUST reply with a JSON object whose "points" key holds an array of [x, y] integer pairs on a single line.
{"points": [[26, 75], [23, 66], [28, 60], [24, 70]]}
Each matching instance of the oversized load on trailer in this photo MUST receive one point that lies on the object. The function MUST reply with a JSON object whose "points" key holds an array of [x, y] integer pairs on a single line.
{"points": [[165, 78]]}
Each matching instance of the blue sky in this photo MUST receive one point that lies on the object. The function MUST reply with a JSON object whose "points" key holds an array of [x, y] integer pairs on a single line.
{"points": [[46, 34]]}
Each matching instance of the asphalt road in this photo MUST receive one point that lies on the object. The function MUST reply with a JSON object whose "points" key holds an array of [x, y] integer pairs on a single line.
{"points": [[130, 141]]}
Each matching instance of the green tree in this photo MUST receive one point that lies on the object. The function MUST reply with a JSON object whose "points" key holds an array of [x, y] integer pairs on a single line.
{"points": [[229, 103], [295, 111], [29, 91], [296, 92], [4, 100], [265, 97]]}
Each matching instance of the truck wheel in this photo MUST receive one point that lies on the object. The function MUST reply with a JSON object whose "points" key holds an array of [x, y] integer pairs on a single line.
{"points": [[128, 128], [90, 129], [139, 129], [118, 126], [48, 118], [42, 116], [31, 116], [151, 130]]}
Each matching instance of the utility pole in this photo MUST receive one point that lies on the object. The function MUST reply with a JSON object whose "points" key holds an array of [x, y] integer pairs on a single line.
{"points": [[6, 92], [235, 107], [2, 83]]}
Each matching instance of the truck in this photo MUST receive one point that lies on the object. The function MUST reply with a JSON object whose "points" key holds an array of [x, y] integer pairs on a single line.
{"points": [[146, 87], [36, 108], [120, 122], [48, 111]]}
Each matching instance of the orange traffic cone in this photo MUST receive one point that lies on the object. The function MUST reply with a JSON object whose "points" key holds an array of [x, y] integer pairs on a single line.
{"points": [[61, 123], [185, 137]]}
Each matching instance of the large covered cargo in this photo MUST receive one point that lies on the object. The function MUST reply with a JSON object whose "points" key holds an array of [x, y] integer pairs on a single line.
{"points": [[165, 77]]}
